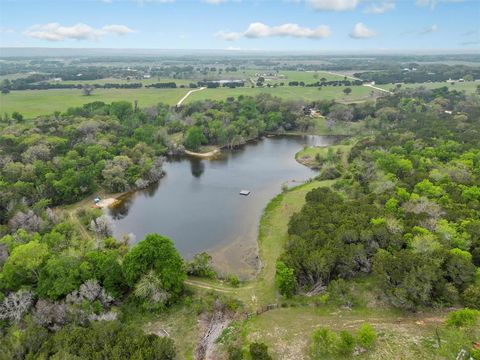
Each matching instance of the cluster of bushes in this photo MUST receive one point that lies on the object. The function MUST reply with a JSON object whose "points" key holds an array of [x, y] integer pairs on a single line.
{"points": [[68, 292], [415, 73], [405, 210], [231, 123], [163, 85], [327, 344]]}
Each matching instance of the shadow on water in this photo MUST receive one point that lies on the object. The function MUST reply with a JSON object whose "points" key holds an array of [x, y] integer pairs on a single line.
{"points": [[197, 167]]}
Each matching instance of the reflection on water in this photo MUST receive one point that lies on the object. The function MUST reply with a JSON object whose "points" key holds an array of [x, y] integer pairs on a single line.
{"points": [[197, 167], [197, 203]]}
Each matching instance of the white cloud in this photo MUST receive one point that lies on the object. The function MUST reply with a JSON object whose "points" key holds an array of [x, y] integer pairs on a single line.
{"points": [[380, 7], [261, 30], [117, 29], [360, 31], [429, 29], [333, 5], [80, 31], [229, 36]]}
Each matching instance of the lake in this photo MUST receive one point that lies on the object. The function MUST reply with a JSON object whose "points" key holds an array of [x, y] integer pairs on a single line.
{"points": [[197, 204]]}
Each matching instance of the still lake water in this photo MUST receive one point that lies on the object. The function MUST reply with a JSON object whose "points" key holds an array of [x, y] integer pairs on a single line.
{"points": [[197, 204]]}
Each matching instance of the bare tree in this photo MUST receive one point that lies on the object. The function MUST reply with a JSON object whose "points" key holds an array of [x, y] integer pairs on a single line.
{"points": [[28, 221], [3, 254], [15, 305], [87, 90], [150, 288], [102, 226], [89, 291], [51, 315]]}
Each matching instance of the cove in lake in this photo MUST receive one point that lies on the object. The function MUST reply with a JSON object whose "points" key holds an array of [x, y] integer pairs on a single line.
{"points": [[197, 204]]}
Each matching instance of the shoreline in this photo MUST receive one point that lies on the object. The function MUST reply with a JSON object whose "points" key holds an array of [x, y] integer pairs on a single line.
{"points": [[202, 155]]}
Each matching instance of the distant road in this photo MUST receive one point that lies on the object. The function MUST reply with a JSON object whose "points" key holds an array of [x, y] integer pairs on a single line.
{"points": [[188, 94], [354, 78], [377, 88], [342, 75]]}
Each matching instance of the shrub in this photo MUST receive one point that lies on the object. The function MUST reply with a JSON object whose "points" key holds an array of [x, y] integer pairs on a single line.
{"points": [[366, 336], [259, 351], [201, 265], [233, 280], [463, 317], [345, 344], [471, 297], [285, 279], [322, 343]]}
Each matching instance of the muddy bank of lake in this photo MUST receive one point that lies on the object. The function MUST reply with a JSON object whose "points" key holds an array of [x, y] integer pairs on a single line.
{"points": [[197, 204]]}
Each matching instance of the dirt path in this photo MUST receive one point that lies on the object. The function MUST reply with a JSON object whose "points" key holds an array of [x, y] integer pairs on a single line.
{"points": [[377, 88], [79, 225], [188, 94], [209, 286], [343, 75]]}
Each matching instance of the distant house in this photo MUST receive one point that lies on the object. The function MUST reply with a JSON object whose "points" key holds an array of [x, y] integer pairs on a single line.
{"points": [[147, 76]]}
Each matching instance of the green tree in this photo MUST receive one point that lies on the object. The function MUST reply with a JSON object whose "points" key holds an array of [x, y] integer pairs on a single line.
{"points": [[107, 340], [347, 91], [285, 279], [107, 270], [61, 275], [155, 253], [194, 138], [23, 265]]}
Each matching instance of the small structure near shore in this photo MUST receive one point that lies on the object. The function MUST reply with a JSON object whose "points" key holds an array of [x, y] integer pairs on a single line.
{"points": [[244, 192]]}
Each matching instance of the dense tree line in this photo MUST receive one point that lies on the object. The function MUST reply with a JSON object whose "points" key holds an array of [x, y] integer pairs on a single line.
{"points": [[415, 73], [327, 83], [45, 85], [406, 209], [233, 122]]}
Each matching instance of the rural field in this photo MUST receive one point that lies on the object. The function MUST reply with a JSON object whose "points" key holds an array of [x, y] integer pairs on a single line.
{"points": [[33, 103]]}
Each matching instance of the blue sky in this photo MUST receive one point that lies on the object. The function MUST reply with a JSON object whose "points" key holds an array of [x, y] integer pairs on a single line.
{"points": [[296, 25]]}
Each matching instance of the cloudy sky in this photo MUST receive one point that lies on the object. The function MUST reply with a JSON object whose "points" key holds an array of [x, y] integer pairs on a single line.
{"points": [[242, 24]]}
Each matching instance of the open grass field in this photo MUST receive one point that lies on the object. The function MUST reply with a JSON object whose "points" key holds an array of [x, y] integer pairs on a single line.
{"points": [[307, 94], [307, 155], [287, 331], [33, 103]]}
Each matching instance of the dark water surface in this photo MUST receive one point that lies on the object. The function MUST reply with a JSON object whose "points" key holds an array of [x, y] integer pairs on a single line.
{"points": [[197, 204]]}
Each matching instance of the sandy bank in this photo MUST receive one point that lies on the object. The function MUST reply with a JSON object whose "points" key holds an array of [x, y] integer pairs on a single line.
{"points": [[202, 155]]}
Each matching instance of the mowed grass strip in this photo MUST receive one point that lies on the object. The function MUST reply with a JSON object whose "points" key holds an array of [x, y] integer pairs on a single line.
{"points": [[273, 234], [307, 94]]}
